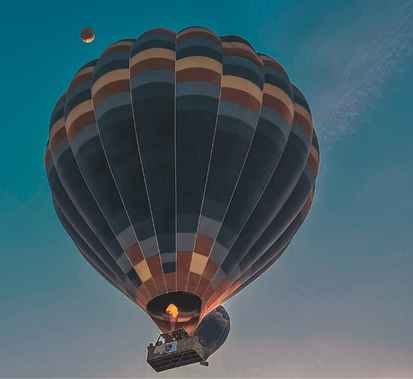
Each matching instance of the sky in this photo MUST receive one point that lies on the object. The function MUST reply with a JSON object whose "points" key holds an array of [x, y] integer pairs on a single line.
{"points": [[339, 303]]}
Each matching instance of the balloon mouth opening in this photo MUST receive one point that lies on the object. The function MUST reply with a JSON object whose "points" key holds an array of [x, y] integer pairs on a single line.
{"points": [[186, 305]]}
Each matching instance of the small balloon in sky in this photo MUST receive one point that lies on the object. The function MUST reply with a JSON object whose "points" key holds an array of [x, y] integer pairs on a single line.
{"points": [[87, 35]]}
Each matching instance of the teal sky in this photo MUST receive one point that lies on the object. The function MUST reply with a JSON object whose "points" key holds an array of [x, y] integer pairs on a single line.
{"points": [[339, 303]]}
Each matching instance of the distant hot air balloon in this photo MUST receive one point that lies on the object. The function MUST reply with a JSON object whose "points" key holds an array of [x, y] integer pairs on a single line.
{"points": [[87, 35], [182, 165], [213, 329]]}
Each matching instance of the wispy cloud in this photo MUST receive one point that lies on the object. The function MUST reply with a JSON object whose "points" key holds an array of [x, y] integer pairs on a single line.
{"points": [[358, 60]]}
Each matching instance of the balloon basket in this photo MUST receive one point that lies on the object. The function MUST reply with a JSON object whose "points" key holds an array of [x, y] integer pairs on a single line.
{"points": [[176, 349]]}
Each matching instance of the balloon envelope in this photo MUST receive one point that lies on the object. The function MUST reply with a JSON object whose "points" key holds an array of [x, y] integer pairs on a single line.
{"points": [[87, 35], [181, 165]]}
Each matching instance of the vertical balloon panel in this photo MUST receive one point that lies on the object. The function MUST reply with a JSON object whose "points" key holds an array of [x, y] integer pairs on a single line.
{"points": [[89, 154], [112, 103], [152, 85], [77, 190], [264, 155], [238, 114], [198, 82]]}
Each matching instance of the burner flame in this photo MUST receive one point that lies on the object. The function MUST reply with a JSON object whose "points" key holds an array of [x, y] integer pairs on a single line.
{"points": [[172, 310]]}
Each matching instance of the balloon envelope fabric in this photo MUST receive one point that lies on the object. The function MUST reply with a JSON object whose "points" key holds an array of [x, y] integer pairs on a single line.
{"points": [[181, 165]]}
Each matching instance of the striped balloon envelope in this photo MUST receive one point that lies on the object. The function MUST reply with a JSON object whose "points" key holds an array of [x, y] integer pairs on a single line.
{"points": [[181, 165]]}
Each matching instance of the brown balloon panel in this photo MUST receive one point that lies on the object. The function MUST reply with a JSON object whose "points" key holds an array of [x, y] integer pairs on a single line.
{"points": [[181, 165]]}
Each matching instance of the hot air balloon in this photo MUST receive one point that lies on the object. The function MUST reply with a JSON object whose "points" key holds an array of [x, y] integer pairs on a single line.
{"points": [[87, 35], [213, 330], [181, 165]]}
